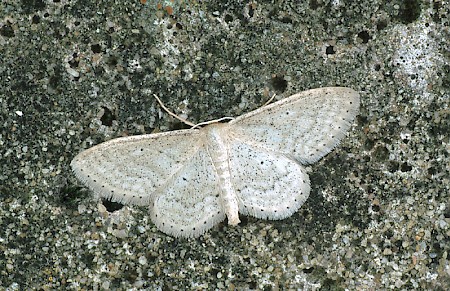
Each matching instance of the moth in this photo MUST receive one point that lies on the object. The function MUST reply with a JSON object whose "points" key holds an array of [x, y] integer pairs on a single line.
{"points": [[253, 165]]}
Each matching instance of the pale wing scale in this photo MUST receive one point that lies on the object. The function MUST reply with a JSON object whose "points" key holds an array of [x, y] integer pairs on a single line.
{"points": [[131, 169], [189, 203], [268, 184], [306, 125]]}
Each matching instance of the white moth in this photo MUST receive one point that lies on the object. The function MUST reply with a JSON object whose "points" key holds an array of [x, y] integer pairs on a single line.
{"points": [[253, 165]]}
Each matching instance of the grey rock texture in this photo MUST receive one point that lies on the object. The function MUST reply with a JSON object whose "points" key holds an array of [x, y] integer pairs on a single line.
{"points": [[74, 74]]}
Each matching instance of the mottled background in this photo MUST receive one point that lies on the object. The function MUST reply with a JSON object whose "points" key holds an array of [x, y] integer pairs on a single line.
{"points": [[74, 74]]}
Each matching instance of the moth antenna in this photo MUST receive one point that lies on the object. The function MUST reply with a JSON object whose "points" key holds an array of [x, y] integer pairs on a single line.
{"points": [[173, 114], [270, 100]]}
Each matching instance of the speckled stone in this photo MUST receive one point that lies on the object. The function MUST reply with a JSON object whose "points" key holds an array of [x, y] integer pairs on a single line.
{"points": [[74, 74]]}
